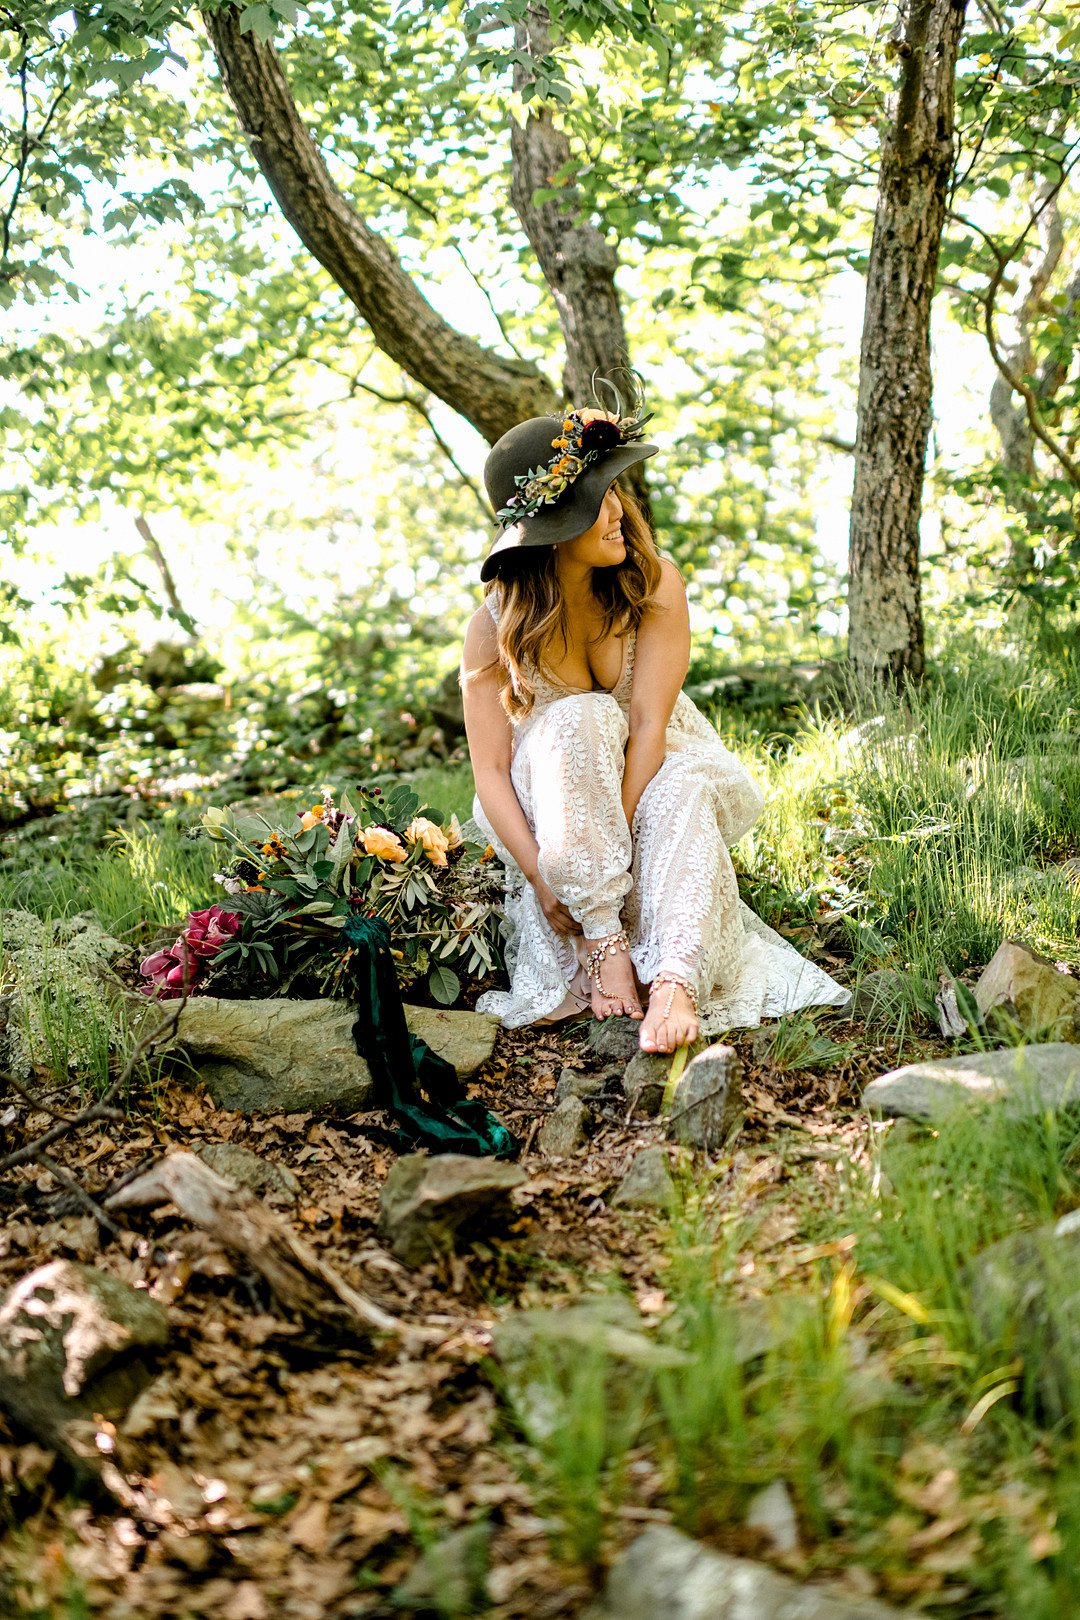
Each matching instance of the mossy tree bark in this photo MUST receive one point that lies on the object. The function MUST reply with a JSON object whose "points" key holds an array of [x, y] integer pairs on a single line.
{"points": [[885, 635]]}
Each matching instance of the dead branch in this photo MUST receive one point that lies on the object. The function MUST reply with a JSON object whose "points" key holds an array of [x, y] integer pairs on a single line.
{"points": [[240, 1221]]}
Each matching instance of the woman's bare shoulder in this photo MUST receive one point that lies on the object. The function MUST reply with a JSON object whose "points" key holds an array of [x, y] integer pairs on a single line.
{"points": [[481, 639], [672, 587]]}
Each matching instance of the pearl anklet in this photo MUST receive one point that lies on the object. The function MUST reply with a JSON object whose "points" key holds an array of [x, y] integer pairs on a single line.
{"points": [[608, 946], [675, 981]]}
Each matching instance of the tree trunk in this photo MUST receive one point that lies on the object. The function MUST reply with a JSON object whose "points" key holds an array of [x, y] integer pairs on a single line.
{"points": [[489, 390], [885, 635], [577, 260]]}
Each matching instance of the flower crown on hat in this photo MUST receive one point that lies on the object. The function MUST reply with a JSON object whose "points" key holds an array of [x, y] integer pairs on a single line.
{"points": [[585, 435]]}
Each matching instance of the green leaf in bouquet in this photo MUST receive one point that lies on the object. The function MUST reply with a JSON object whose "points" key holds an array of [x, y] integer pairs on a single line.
{"points": [[254, 904], [288, 886], [432, 815], [307, 883], [340, 854], [345, 805], [314, 908], [401, 805], [322, 869], [305, 841], [444, 985]]}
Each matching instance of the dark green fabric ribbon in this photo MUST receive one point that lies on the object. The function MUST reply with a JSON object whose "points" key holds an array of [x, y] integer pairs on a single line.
{"points": [[415, 1085]]}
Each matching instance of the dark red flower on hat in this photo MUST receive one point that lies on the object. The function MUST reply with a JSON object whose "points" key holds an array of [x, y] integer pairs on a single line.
{"points": [[599, 434]]}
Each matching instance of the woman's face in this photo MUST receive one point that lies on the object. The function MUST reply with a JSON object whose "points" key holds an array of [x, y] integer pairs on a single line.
{"points": [[603, 545]]}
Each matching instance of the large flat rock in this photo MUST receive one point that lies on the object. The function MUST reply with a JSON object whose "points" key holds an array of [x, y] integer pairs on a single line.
{"points": [[275, 1056], [1025, 1079], [664, 1573]]}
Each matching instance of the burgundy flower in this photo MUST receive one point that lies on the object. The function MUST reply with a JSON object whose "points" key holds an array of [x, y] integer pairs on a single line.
{"points": [[599, 434], [204, 934], [167, 971], [207, 931]]}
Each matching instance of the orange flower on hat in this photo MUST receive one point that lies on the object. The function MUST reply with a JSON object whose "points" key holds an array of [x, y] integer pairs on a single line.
{"points": [[382, 842]]}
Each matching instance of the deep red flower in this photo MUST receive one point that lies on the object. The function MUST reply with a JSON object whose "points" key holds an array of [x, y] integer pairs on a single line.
{"points": [[599, 434]]}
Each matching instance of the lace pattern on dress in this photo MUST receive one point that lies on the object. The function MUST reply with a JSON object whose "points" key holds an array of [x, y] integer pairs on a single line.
{"points": [[671, 884]]}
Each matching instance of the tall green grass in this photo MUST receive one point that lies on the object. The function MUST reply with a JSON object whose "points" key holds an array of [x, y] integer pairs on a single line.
{"points": [[930, 829]]}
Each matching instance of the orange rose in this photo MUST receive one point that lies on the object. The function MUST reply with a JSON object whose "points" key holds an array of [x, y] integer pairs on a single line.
{"points": [[312, 817], [383, 843], [434, 840]]}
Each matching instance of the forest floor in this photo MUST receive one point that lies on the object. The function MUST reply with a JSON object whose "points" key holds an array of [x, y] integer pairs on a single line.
{"points": [[300, 1478]]}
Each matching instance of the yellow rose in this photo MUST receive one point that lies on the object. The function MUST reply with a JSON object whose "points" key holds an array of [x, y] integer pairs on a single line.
{"points": [[387, 845], [312, 817], [434, 840], [593, 416]]}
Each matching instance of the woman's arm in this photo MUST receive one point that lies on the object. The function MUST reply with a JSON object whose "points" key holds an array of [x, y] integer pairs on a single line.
{"points": [[489, 733], [661, 660]]}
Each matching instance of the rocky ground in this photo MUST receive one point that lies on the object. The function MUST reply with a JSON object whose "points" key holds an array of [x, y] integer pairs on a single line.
{"points": [[263, 1462]]}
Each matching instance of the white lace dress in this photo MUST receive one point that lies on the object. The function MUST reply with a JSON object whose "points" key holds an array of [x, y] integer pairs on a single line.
{"points": [[668, 879]]}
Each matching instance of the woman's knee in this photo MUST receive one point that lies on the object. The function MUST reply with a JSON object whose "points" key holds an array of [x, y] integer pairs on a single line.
{"points": [[584, 718]]}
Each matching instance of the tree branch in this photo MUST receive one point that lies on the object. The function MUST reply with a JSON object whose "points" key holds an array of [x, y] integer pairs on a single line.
{"points": [[490, 391]]}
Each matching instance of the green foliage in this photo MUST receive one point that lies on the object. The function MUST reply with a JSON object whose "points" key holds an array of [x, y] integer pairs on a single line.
{"points": [[373, 853]]}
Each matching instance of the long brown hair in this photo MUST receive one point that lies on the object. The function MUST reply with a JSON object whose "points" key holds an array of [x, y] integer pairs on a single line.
{"points": [[532, 607]]}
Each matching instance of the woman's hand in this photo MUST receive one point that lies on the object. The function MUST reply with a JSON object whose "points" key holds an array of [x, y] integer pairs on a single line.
{"points": [[556, 913]]}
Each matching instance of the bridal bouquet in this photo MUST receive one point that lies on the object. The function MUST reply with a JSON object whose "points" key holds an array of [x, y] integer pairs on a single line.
{"points": [[291, 889]]}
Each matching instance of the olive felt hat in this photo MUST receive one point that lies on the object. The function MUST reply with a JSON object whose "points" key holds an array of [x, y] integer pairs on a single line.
{"points": [[546, 478]]}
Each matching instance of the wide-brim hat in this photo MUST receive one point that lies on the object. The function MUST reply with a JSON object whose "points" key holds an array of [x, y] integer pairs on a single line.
{"points": [[530, 448]]}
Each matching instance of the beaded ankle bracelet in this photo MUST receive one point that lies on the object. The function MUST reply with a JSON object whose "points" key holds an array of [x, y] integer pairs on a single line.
{"points": [[608, 946], [675, 981]]}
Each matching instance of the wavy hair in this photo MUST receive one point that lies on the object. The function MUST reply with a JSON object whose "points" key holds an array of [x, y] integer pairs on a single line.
{"points": [[532, 607]]}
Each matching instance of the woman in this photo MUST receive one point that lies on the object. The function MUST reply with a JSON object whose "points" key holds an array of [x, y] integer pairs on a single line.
{"points": [[605, 792]]}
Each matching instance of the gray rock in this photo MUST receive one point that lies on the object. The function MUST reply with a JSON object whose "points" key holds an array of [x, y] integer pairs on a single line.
{"points": [[773, 1513], [450, 1576], [70, 1343], [644, 1081], [648, 1183], [465, 1039], [424, 1200], [1031, 993], [1024, 1292], [707, 1100], [1025, 1079], [274, 1056], [664, 1573], [246, 1169], [880, 995], [614, 1037], [564, 1129], [575, 1083], [540, 1349]]}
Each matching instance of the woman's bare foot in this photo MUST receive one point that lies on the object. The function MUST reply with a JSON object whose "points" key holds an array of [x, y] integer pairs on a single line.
{"points": [[619, 994], [663, 1031]]}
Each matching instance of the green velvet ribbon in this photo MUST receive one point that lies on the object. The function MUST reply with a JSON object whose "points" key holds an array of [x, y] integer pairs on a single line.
{"points": [[415, 1085]]}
